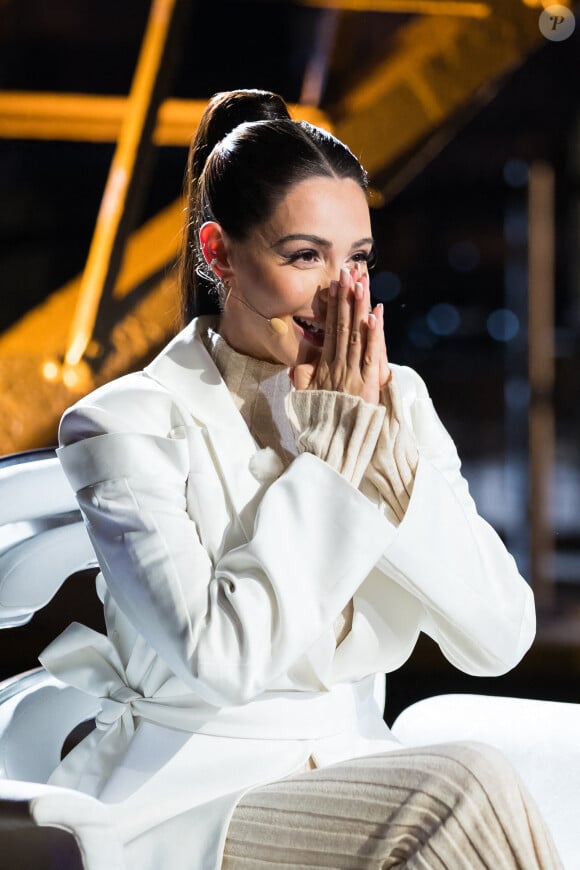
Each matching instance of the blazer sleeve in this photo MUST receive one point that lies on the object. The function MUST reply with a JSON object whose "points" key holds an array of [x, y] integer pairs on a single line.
{"points": [[226, 629], [476, 606]]}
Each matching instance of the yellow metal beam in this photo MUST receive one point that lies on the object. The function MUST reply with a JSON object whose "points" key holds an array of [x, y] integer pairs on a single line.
{"points": [[437, 67], [418, 7], [119, 179], [89, 118], [32, 394]]}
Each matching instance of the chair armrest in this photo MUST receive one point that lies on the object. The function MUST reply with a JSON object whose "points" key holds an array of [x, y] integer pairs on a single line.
{"points": [[539, 738], [85, 826]]}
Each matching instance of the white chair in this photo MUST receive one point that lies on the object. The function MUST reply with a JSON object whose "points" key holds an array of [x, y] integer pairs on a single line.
{"points": [[43, 542], [540, 738]]}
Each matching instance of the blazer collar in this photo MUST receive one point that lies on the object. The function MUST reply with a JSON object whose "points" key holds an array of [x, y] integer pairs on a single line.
{"points": [[186, 369]]}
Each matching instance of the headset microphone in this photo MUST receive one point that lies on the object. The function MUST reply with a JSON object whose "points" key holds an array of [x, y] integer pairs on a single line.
{"points": [[277, 325]]}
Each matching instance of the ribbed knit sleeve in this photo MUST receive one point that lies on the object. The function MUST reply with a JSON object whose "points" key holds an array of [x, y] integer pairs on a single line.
{"points": [[362, 441], [341, 429]]}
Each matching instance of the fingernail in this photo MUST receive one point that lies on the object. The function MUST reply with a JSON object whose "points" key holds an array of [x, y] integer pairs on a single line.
{"points": [[332, 289], [372, 321], [344, 276], [358, 290], [381, 308]]}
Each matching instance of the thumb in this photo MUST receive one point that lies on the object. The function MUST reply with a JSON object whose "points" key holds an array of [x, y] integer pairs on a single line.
{"points": [[302, 376]]}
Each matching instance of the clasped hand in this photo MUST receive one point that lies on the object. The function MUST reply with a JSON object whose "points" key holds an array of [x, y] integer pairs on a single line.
{"points": [[353, 358]]}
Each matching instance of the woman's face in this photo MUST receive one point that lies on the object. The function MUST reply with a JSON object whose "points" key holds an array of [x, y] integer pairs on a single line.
{"points": [[284, 268]]}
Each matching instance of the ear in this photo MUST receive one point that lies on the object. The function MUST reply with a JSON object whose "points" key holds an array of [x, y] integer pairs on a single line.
{"points": [[214, 244]]}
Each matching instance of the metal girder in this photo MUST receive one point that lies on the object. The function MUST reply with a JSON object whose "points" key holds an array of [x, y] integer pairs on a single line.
{"points": [[35, 389], [90, 118], [128, 174], [438, 66], [417, 7]]}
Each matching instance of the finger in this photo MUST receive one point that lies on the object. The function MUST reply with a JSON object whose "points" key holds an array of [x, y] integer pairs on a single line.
{"points": [[329, 344], [343, 315], [359, 327], [370, 368], [384, 367]]}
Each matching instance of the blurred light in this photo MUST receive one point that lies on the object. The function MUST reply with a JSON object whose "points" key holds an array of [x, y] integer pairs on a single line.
{"points": [[503, 324], [515, 172], [386, 286], [463, 256], [443, 319], [375, 198], [517, 393], [70, 377], [515, 227], [50, 370], [420, 335]]}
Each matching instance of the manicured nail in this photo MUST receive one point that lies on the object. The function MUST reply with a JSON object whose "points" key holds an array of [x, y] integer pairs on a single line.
{"points": [[372, 321], [381, 308], [358, 290], [344, 277], [332, 289]]}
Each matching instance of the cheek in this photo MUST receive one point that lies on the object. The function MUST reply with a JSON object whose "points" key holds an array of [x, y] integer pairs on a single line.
{"points": [[298, 288]]}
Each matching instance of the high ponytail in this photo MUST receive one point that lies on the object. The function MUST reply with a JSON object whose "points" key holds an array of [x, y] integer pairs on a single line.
{"points": [[246, 155], [224, 112]]}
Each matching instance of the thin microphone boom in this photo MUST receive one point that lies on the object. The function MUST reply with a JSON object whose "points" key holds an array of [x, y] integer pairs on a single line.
{"points": [[277, 325]]}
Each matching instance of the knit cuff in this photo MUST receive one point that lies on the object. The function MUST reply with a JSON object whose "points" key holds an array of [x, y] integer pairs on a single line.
{"points": [[339, 428], [394, 461]]}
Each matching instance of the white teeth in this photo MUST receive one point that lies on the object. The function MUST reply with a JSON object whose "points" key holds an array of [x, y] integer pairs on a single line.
{"points": [[310, 324]]}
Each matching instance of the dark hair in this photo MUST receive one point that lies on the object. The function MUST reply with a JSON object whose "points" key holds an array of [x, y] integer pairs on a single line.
{"points": [[246, 154]]}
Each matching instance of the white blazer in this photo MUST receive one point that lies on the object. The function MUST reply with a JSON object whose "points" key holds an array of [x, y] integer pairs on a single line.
{"points": [[222, 580]]}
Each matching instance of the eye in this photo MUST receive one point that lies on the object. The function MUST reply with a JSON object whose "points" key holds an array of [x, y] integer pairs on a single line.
{"points": [[368, 257], [306, 255]]}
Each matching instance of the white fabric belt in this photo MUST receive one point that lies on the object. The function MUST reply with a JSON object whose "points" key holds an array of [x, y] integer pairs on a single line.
{"points": [[293, 715], [88, 660]]}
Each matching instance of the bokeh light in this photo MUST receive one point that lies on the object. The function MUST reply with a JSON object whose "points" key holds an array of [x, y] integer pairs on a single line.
{"points": [[386, 286], [503, 324], [515, 172], [443, 319]]}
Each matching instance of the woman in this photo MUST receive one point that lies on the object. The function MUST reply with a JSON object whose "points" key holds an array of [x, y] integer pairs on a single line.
{"points": [[278, 513]]}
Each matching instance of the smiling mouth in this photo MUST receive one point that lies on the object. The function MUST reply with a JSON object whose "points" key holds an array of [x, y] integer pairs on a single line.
{"points": [[311, 329]]}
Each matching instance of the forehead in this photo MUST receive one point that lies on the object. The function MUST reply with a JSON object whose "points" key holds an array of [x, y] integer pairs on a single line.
{"points": [[326, 207]]}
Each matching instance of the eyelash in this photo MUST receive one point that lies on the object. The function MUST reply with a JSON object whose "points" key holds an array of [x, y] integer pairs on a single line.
{"points": [[368, 257]]}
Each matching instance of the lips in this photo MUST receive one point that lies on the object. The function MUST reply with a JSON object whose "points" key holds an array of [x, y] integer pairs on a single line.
{"points": [[312, 330]]}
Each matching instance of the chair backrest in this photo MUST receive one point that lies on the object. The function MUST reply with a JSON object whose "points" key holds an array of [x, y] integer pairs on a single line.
{"points": [[37, 714], [43, 540]]}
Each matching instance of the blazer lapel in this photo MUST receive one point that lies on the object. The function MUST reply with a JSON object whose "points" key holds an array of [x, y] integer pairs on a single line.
{"points": [[187, 370]]}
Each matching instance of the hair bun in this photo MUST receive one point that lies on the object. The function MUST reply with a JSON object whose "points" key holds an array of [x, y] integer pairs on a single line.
{"points": [[226, 110]]}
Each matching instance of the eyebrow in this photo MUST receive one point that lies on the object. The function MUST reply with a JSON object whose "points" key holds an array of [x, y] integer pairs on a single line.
{"points": [[317, 240]]}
